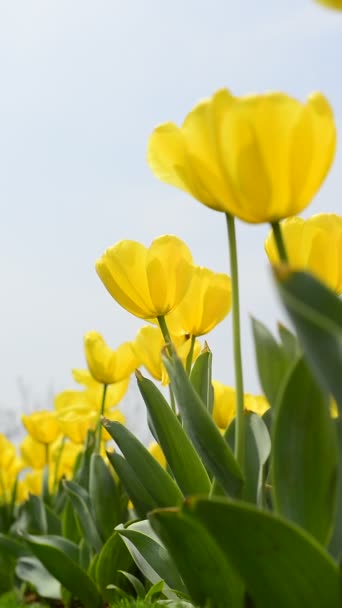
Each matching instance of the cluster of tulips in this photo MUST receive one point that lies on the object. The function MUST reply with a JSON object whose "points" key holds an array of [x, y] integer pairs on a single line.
{"points": [[244, 489]]}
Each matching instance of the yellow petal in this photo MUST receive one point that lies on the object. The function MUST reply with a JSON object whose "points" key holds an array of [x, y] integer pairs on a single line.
{"points": [[42, 426]]}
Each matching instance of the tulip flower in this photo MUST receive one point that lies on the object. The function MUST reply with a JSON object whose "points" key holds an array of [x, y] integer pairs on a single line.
{"points": [[75, 422], [205, 304], [148, 282], [7, 452], [260, 158], [33, 453], [314, 245], [225, 404], [337, 4], [106, 365], [114, 394], [42, 426], [148, 347]]}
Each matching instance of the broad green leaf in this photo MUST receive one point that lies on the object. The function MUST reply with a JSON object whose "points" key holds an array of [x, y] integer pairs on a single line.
{"points": [[317, 316], [281, 564], [155, 592], [290, 342], [203, 432], [7, 572], [13, 546], [135, 582], [70, 525], [304, 455], [65, 569], [53, 522], [200, 378], [85, 518], [142, 500], [82, 470], [31, 517], [31, 570], [272, 361], [157, 482], [86, 554], [104, 497], [114, 557], [257, 451], [201, 563], [150, 555], [180, 454], [335, 545]]}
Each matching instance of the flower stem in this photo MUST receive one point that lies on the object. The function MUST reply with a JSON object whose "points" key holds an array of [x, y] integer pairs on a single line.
{"points": [[98, 428], [164, 329], [57, 463], [190, 355], [279, 241], [240, 419]]}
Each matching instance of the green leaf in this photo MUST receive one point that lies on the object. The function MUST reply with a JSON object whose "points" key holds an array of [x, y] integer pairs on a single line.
{"points": [[59, 563], [53, 522], [289, 342], [203, 432], [114, 557], [31, 517], [70, 525], [272, 360], [200, 379], [142, 500], [316, 312], [104, 497], [135, 582], [180, 454], [281, 564], [13, 546], [201, 563], [82, 471], [335, 545], [86, 521], [304, 455], [158, 482], [257, 451], [31, 570], [150, 555], [155, 591]]}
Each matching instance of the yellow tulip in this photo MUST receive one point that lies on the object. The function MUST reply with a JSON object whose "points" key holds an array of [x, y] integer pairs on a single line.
{"points": [[42, 426], [225, 404], [33, 453], [115, 416], [314, 245], [157, 453], [148, 346], [260, 158], [205, 304], [7, 452], [148, 282], [108, 366], [32, 483], [63, 455], [337, 4], [75, 422]]}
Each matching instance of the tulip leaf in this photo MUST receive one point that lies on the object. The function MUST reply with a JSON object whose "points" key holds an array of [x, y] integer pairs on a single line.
{"points": [[316, 312], [202, 430], [304, 455], [142, 500], [257, 451], [273, 361], [13, 546], [150, 555], [51, 552], [210, 579], [135, 582], [31, 570], [85, 518], [289, 342], [104, 497], [114, 557], [31, 517], [280, 563], [54, 524], [182, 458], [82, 471], [335, 545], [70, 525], [200, 379], [157, 482]]}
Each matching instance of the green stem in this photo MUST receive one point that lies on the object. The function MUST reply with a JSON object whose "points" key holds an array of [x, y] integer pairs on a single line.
{"points": [[164, 329], [190, 355], [57, 463], [99, 427], [280, 243], [240, 418]]}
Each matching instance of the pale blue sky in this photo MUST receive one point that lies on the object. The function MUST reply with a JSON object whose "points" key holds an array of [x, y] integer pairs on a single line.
{"points": [[82, 86]]}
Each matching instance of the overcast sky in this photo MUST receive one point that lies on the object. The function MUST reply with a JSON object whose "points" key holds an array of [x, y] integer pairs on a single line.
{"points": [[83, 83]]}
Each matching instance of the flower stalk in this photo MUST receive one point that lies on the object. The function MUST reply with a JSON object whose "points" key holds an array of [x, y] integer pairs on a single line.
{"points": [[240, 420], [280, 243]]}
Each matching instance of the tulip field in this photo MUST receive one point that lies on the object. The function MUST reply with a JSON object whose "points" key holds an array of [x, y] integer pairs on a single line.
{"points": [[237, 502]]}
